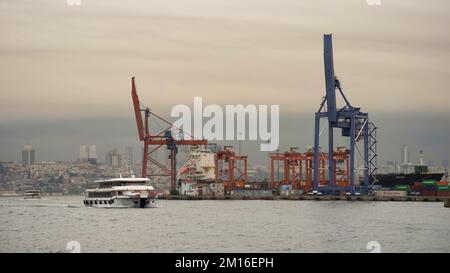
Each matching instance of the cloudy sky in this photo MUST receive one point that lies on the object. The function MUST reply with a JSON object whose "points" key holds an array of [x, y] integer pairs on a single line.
{"points": [[65, 70]]}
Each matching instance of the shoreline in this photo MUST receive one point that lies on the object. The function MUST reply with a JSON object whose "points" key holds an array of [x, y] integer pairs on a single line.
{"points": [[312, 198], [361, 198]]}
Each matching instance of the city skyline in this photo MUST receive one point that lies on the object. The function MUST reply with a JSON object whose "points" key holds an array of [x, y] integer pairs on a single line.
{"points": [[125, 152], [390, 60]]}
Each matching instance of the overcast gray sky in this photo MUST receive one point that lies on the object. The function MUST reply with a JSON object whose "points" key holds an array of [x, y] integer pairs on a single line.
{"points": [[65, 70]]}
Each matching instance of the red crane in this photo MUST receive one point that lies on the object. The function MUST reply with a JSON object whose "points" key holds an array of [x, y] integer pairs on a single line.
{"points": [[158, 140], [231, 174], [298, 169]]}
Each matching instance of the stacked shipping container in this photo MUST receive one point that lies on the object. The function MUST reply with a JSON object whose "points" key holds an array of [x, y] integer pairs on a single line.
{"points": [[432, 188]]}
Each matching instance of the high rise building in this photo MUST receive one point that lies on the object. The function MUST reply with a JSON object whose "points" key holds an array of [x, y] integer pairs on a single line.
{"points": [[406, 165], [114, 158], [88, 154], [445, 163], [28, 155], [391, 168], [83, 153], [405, 155], [129, 157], [92, 154]]}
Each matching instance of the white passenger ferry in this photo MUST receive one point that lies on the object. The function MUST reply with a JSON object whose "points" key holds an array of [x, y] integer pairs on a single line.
{"points": [[121, 193], [32, 194]]}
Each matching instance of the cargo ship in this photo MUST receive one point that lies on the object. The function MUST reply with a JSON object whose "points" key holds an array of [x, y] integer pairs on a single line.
{"points": [[409, 175], [197, 176], [391, 180]]}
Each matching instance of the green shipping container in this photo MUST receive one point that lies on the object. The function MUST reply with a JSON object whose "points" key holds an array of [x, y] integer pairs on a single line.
{"points": [[402, 188], [443, 188], [429, 182], [420, 169]]}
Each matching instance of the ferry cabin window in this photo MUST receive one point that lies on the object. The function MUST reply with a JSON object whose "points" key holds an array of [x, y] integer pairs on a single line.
{"points": [[100, 194], [106, 185]]}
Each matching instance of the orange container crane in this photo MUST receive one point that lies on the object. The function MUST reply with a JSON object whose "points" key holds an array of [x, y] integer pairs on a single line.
{"points": [[275, 183], [297, 170], [230, 173], [321, 159], [153, 142], [341, 174]]}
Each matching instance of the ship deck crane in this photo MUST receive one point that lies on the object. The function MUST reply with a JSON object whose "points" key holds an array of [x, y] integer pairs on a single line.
{"points": [[353, 123], [158, 140]]}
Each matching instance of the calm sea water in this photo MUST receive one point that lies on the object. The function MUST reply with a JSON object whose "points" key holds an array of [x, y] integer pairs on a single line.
{"points": [[47, 225]]}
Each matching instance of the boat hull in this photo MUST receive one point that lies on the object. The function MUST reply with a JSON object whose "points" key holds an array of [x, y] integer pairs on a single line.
{"points": [[124, 202], [391, 180]]}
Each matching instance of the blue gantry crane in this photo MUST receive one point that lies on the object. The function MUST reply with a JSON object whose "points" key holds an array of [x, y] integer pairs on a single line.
{"points": [[353, 123]]}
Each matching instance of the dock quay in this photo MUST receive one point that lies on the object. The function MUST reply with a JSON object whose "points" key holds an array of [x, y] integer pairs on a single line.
{"points": [[314, 198]]}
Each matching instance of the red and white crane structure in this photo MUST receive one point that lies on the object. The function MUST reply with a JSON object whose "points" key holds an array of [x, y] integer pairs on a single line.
{"points": [[153, 142]]}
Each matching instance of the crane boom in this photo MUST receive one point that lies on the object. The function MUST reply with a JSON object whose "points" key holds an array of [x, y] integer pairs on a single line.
{"points": [[329, 77], [137, 110]]}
